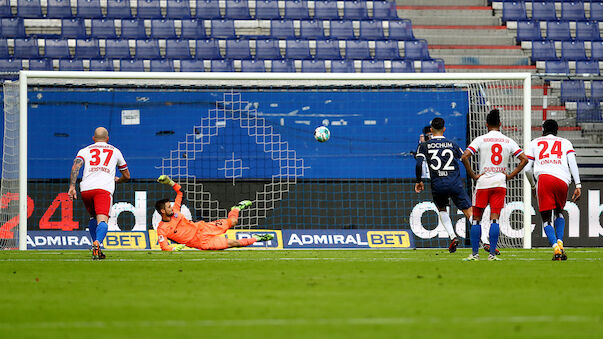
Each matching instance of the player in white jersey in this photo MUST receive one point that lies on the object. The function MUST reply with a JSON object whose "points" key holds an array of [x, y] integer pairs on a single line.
{"points": [[494, 150], [98, 183], [553, 163]]}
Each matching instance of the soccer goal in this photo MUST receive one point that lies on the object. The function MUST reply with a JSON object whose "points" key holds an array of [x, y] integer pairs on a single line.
{"points": [[232, 136]]}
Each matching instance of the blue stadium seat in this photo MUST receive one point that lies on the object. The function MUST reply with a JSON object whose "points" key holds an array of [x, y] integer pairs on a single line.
{"points": [[72, 28], [588, 111], [5, 10], [223, 28], [543, 11], [355, 10], [148, 9], [147, 49], [192, 29], [401, 30], [297, 9], [117, 49], [71, 65], [192, 66], [29, 9], [237, 9], [587, 31], [282, 66], [133, 29], [267, 49], [556, 67], [177, 49], [26, 49], [387, 50], [416, 50], [543, 50], [58, 9], [267, 9], [131, 65], [372, 66], [326, 10], [164, 65], [357, 49], [221, 66], [178, 9], [208, 9], [207, 49], [528, 31], [103, 29], [312, 29], [253, 66], [327, 49], [313, 66], [283, 29], [101, 65], [56, 49], [597, 50], [118, 9], [40, 65], [596, 90], [514, 11], [573, 11], [402, 66], [237, 49], [558, 30], [10, 65], [385, 10], [343, 66], [432, 66], [89, 9], [371, 30], [572, 90], [163, 29], [587, 67], [342, 29], [298, 49], [596, 11], [4, 49], [87, 49], [573, 50]]}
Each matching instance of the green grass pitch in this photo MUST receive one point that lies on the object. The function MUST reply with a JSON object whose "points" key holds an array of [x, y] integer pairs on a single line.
{"points": [[300, 294]]}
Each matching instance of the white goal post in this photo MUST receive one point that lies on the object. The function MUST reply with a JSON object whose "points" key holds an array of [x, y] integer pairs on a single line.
{"points": [[28, 78]]}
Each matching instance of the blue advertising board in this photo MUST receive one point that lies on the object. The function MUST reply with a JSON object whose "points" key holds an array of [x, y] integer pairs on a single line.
{"points": [[317, 239]]}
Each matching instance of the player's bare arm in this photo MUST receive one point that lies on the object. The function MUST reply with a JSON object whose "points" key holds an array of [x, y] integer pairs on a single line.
{"points": [[125, 176], [523, 161], [465, 159], [75, 170]]}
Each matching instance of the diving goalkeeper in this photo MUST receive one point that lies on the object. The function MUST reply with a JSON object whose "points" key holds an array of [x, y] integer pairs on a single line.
{"points": [[201, 235]]}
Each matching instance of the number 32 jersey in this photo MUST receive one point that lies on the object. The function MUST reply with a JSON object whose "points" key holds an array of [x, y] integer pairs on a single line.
{"points": [[549, 154], [100, 160], [442, 157], [494, 150]]}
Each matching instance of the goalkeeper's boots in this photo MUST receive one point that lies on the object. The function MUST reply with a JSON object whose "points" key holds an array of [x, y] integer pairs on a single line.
{"points": [[487, 249], [453, 244], [263, 237], [493, 258], [242, 205], [472, 257], [97, 254]]}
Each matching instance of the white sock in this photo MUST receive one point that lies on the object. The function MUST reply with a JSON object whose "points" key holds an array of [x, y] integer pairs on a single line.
{"points": [[445, 219]]}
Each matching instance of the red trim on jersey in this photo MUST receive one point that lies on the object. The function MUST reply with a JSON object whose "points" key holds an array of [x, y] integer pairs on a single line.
{"points": [[531, 158], [519, 151], [80, 157], [472, 150], [570, 151], [123, 167]]}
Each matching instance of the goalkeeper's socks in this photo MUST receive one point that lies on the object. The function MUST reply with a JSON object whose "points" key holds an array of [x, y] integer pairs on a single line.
{"points": [[559, 226], [494, 233], [550, 233], [92, 229], [445, 220], [247, 241], [476, 234], [101, 231]]}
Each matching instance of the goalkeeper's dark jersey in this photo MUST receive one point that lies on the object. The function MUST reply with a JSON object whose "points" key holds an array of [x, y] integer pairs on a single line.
{"points": [[442, 157]]}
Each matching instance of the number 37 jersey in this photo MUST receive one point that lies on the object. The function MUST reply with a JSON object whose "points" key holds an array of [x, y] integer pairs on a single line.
{"points": [[494, 150], [442, 157], [100, 160]]}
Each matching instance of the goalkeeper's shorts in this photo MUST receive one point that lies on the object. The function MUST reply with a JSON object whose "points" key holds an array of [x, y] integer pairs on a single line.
{"points": [[97, 201]]}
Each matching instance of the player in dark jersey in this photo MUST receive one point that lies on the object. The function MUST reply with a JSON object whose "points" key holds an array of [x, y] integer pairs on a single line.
{"points": [[442, 157]]}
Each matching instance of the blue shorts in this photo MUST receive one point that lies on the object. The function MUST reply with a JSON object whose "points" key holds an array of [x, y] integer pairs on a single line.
{"points": [[460, 198]]}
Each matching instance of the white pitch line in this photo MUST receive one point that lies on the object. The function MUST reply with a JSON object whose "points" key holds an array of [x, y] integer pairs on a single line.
{"points": [[274, 259]]}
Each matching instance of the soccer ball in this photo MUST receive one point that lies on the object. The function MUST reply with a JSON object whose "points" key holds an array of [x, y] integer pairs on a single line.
{"points": [[322, 134]]}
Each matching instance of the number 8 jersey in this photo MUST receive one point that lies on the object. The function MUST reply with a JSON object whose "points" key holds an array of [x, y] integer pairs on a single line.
{"points": [[494, 149], [549, 154], [100, 160]]}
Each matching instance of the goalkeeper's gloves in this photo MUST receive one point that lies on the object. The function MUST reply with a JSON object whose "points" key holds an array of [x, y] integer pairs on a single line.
{"points": [[242, 205], [178, 247], [164, 179]]}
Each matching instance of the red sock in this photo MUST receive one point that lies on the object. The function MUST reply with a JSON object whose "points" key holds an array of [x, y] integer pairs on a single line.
{"points": [[247, 241]]}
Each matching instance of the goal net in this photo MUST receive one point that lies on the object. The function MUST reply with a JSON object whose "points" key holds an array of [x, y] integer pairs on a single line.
{"points": [[229, 137]]}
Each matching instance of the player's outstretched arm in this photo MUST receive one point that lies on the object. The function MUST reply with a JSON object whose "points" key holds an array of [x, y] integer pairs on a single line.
{"points": [[164, 179], [75, 170], [523, 161], [465, 159]]}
